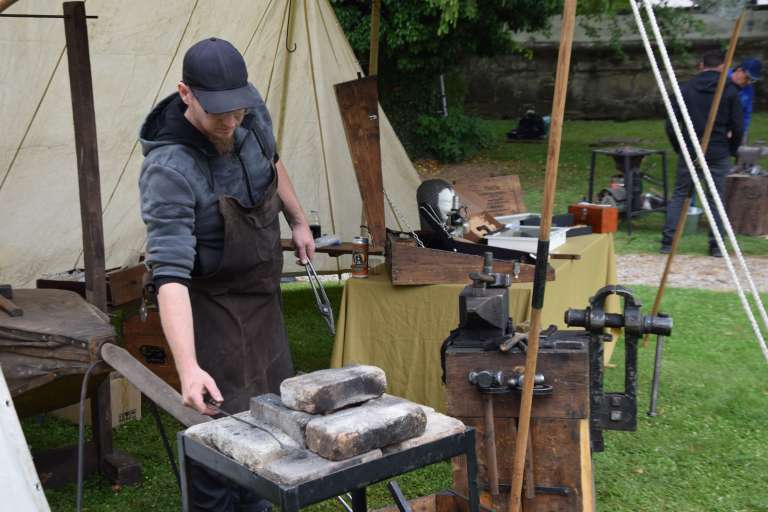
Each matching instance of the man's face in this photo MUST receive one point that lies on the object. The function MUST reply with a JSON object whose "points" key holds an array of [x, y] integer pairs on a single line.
{"points": [[740, 77], [219, 128]]}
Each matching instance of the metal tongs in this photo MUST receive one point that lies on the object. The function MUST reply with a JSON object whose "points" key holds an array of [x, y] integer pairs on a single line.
{"points": [[321, 299]]}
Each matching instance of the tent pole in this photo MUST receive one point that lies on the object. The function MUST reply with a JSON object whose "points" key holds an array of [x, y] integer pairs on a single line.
{"points": [[4, 4], [542, 252], [373, 59], [704, 145]]}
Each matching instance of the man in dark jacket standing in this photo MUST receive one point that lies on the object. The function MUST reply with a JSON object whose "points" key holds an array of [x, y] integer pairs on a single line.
{"points": [[727, 132], [212, 186]]}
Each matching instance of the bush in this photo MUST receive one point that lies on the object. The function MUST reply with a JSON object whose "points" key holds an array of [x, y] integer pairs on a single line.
{"points": [[452, 138]]}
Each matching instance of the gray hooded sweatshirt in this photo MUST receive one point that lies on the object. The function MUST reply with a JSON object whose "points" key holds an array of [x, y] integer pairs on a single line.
{"points": [[181, 179]]}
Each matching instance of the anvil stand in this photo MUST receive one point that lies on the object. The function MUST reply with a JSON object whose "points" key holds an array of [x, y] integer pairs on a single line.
{"points": [[353, 479], [628, 161]]}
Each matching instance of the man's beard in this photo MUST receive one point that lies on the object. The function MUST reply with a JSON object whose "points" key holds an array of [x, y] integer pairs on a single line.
{"points": [[224, 145]]}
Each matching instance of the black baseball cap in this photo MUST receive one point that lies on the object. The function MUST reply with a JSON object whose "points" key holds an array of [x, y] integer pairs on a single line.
{"points": [[217, 75]]}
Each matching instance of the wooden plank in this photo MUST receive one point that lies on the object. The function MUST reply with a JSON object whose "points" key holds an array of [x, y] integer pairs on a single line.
{"points": [[412, 265], [559, 461], [499, 195], [84, 116], [126, 284], [746, 202], [359, 106], [567, 372]]}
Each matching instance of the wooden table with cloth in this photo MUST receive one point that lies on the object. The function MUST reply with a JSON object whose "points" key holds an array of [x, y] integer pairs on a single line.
{"points": [[401, 328]]}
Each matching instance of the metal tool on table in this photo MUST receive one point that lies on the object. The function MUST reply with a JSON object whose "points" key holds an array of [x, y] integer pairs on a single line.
{"points": [[321, 299]]}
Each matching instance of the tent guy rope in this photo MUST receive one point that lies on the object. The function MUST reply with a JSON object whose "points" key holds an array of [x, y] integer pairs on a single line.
{"points": [[689, 162]]}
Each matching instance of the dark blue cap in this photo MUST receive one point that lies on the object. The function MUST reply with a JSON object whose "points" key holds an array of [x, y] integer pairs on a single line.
{"points": [[217, 75], [753, 68]]}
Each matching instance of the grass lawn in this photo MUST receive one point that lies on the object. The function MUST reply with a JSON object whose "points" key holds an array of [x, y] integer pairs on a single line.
{"points": [[528, 160], [707, 450]]}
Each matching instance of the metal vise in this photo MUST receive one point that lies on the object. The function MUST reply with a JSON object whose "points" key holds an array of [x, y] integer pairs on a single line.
{"points": [[484, 321], [614, 411]]}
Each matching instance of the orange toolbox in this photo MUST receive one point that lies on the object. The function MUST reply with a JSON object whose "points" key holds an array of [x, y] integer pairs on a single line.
{"points": [[601, 217]]}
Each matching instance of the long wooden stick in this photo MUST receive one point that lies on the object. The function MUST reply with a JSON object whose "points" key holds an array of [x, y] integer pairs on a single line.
{"points": [[542, 252], [4, 4], [373, 58], [704, 145]]}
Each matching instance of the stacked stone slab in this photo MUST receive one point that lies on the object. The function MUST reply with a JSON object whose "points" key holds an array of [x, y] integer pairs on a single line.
{"points": [[313, 410], [326, 391]]}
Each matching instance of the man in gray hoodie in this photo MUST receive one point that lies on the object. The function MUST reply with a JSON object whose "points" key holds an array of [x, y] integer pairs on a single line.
{"points": [[212, 186]]}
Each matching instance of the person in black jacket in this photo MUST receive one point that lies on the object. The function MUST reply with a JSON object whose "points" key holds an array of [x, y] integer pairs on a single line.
{"points": [[727, 132]]}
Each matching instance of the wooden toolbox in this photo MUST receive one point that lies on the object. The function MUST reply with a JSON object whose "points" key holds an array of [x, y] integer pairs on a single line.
{"points": [[602, 218], [145, 342]]}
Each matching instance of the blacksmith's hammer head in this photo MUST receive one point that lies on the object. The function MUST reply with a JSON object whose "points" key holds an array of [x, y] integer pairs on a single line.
{"points": [[6, 291]]}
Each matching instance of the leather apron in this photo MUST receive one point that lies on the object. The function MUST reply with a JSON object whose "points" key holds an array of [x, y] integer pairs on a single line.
{"points": [[240, 337]]}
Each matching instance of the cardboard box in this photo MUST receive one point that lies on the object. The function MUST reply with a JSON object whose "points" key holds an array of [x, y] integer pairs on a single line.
{"points": [[601, 217], [126, 404]]}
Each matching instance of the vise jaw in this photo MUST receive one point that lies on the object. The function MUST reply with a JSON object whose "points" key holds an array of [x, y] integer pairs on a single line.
{"points": [[618, 410]]}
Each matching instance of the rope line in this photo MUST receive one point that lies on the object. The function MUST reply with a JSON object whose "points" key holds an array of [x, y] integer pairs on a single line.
{"points": [[691, 168]]}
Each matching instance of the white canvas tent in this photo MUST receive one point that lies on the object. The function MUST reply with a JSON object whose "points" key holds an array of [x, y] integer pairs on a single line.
{"points": [[136, 54]]}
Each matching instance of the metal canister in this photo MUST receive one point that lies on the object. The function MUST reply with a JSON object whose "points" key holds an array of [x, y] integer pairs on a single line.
{"points": [[359, 256]]}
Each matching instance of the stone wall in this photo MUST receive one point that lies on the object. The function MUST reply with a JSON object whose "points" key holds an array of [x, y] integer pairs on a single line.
{"points": [[601, 86]]}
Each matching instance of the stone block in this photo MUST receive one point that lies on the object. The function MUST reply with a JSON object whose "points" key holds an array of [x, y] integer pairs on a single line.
{"points": [[249, 446], [304, 466], [269, 409], [356, 430], [438, 427], [325, 391]]}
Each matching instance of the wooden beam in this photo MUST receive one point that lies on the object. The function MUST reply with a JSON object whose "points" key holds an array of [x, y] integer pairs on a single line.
{"points": [[359, 107], [4, 4], [84, 117], [539, 283], [373, 58]]}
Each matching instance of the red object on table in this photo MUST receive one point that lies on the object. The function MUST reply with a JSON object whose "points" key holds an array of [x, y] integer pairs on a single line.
{"points": [[602, 218]]}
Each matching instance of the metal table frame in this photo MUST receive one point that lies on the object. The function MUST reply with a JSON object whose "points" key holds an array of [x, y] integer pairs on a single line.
{"points": [[629, 181], [354, 479]]}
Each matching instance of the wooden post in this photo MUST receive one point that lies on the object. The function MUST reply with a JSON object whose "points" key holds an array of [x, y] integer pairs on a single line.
{"points": [[542, 252], [373, 58], [4, 4], [84, 116], [704, 145]]}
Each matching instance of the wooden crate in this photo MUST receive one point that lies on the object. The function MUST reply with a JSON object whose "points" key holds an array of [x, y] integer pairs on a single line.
{"points": [[145, 342], [409, 264], [602, 218]]}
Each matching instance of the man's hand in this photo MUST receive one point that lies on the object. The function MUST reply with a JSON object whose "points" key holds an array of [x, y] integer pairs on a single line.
{"points": [[303, 243], [195, 384]]}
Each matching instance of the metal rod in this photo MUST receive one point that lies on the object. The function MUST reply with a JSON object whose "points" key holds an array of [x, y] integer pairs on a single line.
{"points": [[656, 375], [542, 253], [54, 16], [489, 439], [704, 145]]}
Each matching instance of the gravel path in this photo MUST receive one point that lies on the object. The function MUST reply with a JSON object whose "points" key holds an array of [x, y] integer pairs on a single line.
{"points": [[689, 271]]}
